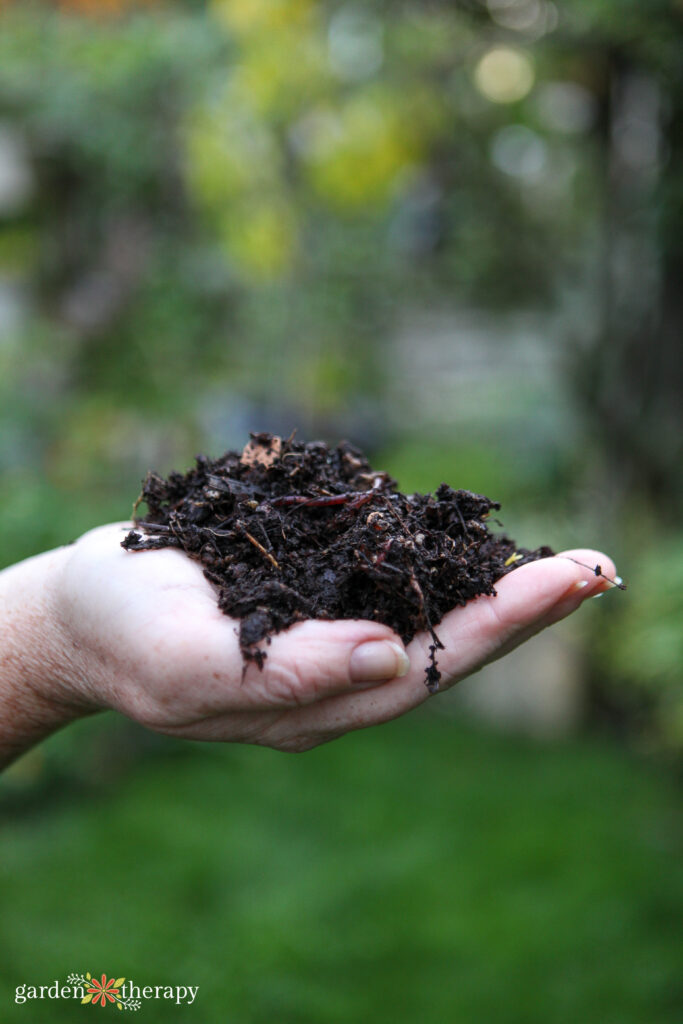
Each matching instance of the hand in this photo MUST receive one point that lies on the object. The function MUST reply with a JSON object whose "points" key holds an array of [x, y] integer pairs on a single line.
{"points": [[142, 634]]}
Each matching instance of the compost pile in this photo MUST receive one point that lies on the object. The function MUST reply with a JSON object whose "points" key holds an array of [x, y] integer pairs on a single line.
{"points": [[288, 530]]}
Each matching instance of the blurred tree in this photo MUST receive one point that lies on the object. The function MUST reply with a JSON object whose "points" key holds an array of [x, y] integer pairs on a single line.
{"points": [[629, 380]]}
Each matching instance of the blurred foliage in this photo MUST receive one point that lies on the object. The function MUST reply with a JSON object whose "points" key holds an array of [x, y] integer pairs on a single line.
{"points": [[220, 211]]}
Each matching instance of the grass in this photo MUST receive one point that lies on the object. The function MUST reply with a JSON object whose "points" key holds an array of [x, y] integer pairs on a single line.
{"points": [[418, 872]]}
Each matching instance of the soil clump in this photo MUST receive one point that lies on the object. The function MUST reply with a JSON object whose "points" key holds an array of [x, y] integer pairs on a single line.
{"points": [[288, 530]]}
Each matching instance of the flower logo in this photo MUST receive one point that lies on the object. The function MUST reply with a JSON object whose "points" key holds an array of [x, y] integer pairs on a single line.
{"points": [[101, 991]]}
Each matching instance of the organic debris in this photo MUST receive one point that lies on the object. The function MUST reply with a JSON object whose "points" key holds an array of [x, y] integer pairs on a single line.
{"points": [[288, 530]]}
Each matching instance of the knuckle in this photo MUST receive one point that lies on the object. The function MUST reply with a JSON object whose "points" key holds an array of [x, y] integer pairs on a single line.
{"points": [[296, 683], [275, 685]]}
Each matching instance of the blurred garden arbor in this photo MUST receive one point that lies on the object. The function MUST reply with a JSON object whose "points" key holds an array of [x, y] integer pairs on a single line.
{"points": [[205, 204]]}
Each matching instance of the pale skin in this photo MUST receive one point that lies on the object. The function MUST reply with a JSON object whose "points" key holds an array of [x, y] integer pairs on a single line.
{"points": [[91, 627]]}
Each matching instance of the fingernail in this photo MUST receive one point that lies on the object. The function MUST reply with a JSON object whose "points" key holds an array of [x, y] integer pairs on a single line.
{"points": [[601, 594], [378, 660], [617, 580], [579, 586]]}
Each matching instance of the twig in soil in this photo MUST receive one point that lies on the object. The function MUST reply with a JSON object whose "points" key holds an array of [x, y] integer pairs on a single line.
{"points": [[259, 547], [397, 516]]}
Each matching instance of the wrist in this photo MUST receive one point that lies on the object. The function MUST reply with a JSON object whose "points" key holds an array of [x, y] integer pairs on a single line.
{"points": [[39, 690]]}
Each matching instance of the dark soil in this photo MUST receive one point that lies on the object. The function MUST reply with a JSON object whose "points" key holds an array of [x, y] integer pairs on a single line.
{"points": [[288, 531]]}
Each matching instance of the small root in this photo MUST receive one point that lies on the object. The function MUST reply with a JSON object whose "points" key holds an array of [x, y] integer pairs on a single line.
{"points": [[259, 547], [597, 571]]}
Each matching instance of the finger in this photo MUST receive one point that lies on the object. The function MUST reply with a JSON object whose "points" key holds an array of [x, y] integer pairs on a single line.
{"points": [[315, 659], [527, 600]]}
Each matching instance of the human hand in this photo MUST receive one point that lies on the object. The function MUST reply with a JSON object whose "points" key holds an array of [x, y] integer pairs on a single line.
{"points": [[143, 635]]}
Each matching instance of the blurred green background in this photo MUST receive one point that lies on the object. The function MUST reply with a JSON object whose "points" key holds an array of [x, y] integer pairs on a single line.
{"points": [[453, 233]]}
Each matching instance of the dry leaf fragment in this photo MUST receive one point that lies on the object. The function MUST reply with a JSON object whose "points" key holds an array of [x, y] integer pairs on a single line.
{"points": [[263, 449]]}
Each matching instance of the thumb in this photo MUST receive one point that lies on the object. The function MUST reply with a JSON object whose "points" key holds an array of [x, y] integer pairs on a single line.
{"points": [[316, 659]]}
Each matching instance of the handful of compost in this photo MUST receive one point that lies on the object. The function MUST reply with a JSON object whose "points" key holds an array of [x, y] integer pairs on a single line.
{"points": [[288, 530]]}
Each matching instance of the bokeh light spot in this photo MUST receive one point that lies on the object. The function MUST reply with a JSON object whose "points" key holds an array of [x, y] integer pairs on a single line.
{"points": [[504, 75], [519, 152], [355, 44]]}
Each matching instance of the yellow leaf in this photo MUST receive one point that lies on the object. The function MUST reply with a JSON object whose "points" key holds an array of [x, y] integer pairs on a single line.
{"points": [[88, 975], [512, 559], [119, 1006], [86, 999], [119, 981]]}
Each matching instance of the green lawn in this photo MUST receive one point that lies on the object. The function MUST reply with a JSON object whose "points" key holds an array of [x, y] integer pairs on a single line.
{"points": [[421, 872]]}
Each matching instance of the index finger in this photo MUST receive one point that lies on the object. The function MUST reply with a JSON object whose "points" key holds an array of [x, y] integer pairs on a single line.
{"points": [[527, 600]]}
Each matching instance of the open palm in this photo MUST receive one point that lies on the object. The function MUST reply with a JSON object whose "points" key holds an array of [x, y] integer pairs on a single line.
{"points": [[149, 640]]}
